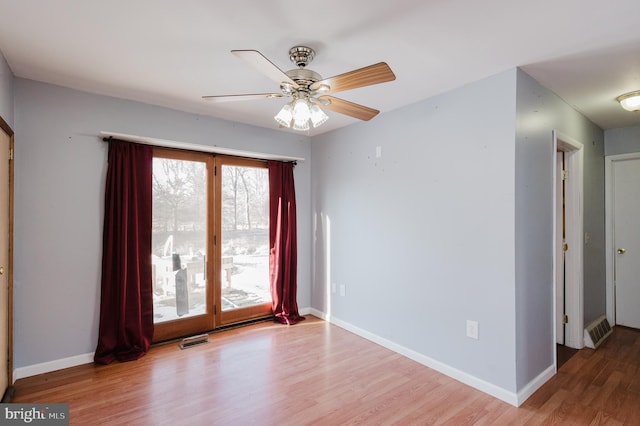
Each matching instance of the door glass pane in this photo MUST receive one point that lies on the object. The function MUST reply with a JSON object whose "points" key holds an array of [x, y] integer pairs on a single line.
{"points": [[179, 238], [245, 237]]}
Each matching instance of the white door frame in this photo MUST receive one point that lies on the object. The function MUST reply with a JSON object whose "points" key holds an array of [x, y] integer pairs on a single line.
{"points": [[574, 207], [609, 161], [559, 287], [8, 345]]}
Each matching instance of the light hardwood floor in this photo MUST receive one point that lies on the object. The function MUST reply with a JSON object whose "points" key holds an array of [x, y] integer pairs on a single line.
{"points": [[317, 373]]}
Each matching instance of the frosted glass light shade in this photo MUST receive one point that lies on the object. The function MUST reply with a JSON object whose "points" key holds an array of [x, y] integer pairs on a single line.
{"points": [[285, 115], [301, 110], [630, 101], [301, 115], [317, 116], [299, 124]]}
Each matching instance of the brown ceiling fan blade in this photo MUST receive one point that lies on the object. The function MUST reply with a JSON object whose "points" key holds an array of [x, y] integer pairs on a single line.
{"points": [[258, 61], [367, 76], [233, 98], [360, 112]]}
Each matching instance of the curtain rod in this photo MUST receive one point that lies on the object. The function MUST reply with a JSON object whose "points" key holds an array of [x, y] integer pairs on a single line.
{"points": [[165, 143]]}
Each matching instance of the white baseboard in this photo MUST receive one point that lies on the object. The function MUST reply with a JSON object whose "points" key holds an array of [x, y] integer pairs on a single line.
{"points": [[305, 311], [482, 385], [46, 367], [535, 384]]}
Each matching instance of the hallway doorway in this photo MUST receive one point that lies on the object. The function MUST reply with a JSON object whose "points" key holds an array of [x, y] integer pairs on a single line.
{"points": [[568, 244]]}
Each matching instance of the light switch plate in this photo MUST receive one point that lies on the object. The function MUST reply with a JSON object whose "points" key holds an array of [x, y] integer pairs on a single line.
{"points": [[472, 329]]}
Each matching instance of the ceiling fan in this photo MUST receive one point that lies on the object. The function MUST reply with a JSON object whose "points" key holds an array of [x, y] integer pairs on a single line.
{"points": [[310, 93]]}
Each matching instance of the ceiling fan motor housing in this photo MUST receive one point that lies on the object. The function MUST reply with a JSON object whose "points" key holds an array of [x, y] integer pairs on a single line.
{"points": [[301, 56], [303, 77]]}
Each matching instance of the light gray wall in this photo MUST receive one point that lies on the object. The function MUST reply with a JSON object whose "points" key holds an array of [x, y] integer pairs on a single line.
{"points": [[539, 112], [622, 141], [6, 92], [60, 175], [423, 237]]}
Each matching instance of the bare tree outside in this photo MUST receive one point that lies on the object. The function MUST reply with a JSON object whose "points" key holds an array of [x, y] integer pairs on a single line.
{"points": [[245, 198]]}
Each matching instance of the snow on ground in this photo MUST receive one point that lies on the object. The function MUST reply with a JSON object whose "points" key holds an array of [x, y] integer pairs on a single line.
{"points": [[249, 286]]}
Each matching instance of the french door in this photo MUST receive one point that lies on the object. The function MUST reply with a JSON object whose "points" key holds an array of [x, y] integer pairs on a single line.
{"points": [[210, 240], [242, 222]]}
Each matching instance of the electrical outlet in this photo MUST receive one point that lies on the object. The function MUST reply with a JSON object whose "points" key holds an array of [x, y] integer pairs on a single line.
{"points": [[343, 290], [378, 151], [472, 329]]}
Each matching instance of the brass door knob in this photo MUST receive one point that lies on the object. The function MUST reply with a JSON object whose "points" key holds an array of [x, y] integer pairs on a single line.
{"points": [[1, 270], [621, 251]]}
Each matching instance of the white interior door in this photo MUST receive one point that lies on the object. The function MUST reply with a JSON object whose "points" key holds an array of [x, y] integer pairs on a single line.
{"points": [[573, 297], [5, 142], [626, 241]]}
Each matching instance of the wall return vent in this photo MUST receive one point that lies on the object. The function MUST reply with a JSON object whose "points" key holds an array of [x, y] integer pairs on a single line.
{"points": [[596, 332]]}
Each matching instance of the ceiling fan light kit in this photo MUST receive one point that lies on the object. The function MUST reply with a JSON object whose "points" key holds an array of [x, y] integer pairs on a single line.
{"points": [[297, 114], [630, 101], [310, 92]]}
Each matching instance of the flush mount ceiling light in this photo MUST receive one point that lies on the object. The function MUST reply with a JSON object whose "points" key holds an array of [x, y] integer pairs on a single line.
{"points": [[630, 101]]}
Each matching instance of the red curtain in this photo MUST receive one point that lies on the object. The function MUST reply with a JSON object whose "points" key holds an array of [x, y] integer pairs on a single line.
{"points": [[283, 257], [126, 309]]}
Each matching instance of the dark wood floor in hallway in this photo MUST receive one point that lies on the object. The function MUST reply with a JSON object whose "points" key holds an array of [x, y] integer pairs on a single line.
{"points": [[317, 373]]}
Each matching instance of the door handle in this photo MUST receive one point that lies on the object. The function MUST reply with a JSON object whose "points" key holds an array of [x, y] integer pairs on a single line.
{"points": [[621, 251], [1, 270]]}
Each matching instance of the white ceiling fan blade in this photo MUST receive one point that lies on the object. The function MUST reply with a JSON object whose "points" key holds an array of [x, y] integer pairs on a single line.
{"points": [[248, 97], [258, 61]]}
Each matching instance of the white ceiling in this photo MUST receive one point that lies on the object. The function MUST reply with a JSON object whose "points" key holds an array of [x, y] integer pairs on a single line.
{"points": [[170, 53]]}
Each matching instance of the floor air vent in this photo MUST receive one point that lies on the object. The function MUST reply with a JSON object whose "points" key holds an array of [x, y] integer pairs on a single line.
{"points": [[188, 342], [596, 332]]}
